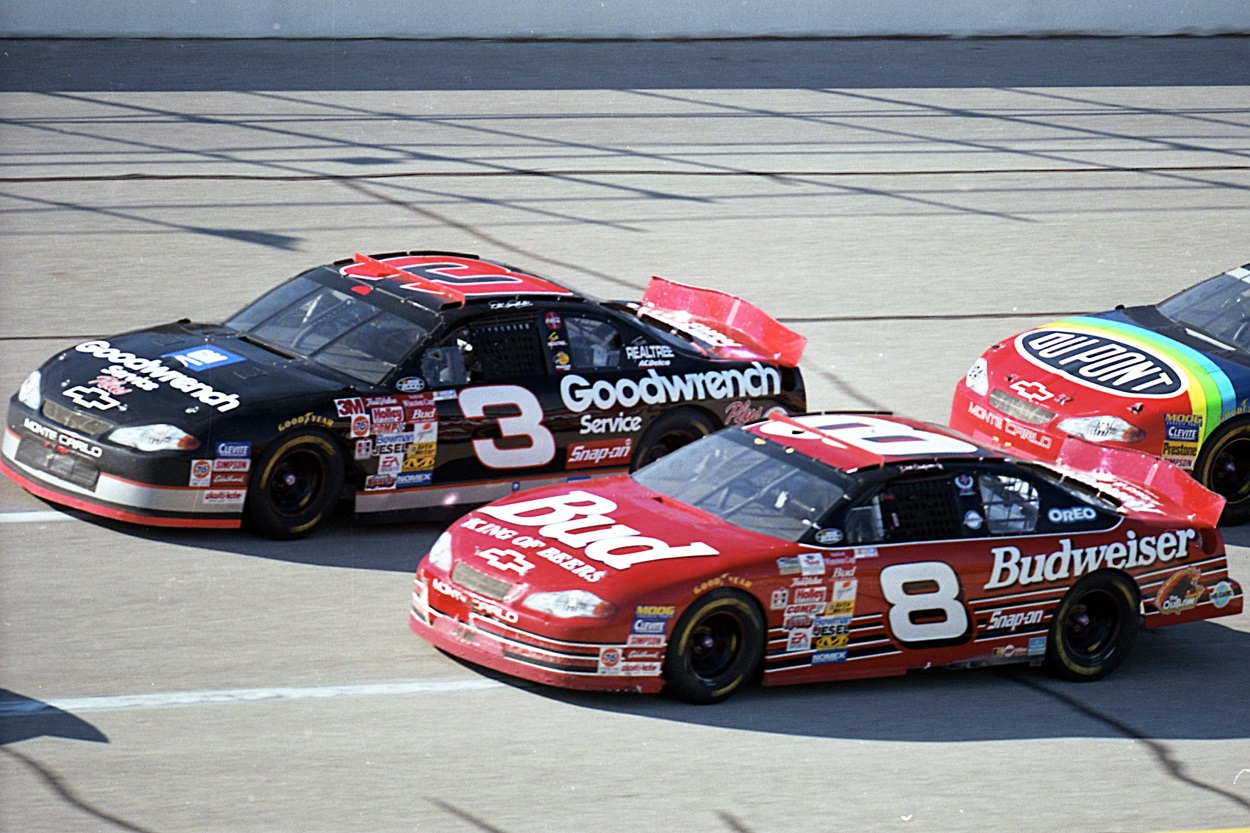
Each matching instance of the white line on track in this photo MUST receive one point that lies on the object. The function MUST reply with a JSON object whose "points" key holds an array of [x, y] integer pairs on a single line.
{"points": [[131, 702], [34, 517]]}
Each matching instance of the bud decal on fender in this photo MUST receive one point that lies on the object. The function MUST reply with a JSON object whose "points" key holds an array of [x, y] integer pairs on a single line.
{"points": [[580, 520]]}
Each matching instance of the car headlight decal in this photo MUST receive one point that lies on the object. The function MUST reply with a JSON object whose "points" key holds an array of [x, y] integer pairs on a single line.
{"points": [[159, 437], [570, 604], [1102, 429], [28, 393]]}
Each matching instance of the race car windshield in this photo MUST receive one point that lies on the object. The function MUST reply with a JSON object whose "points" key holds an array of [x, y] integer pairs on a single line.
{"points": [[1219, 307], [756, 487], [337, 329]]}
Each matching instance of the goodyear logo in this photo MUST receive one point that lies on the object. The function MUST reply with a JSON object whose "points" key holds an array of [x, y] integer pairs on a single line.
{"points": [[1102, 362]]}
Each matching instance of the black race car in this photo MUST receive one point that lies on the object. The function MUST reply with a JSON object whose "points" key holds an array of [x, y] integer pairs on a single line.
{"points": [[403, 381]]}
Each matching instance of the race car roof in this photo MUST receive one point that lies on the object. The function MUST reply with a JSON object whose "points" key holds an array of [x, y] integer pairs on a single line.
{"points": [[440, 279], [852, 441]]}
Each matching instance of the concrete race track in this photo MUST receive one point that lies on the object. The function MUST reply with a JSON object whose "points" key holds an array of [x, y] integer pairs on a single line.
{"points": [[903, 203]]}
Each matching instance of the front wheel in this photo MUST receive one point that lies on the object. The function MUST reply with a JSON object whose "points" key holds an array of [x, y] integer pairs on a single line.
{"points": [[1223, 466], [1093, 628], [669, 433], [295, 485], [716, 647]]}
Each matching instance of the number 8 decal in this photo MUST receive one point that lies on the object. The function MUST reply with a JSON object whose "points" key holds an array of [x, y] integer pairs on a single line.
{"points": [[924, 602], [529, 423]]}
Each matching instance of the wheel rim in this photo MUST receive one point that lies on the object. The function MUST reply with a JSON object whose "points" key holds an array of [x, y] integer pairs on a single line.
{"points": [[1230, 470], [295, 482], [667, 445], [1090, 627], [714, 645]]}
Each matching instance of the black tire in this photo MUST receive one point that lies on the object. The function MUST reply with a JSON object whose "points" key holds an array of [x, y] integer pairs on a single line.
{"points": [[669, 433], [716, 648], [1093, 628], [1223, 466], [295, 485]]}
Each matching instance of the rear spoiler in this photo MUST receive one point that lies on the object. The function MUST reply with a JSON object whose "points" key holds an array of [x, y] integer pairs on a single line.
{"points": [[728, 325], [1118, 470]]}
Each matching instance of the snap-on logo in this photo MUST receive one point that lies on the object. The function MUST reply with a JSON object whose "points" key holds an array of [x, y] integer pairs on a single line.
{"points": [[1102, 362]]}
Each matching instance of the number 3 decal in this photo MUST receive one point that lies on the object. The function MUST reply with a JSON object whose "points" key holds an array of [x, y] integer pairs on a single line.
{"points": [[924, 602], [528, 423]]}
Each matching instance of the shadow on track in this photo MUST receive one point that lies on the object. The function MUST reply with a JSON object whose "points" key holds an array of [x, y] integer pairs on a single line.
{"points": [[1184, 683], [329, 65]]}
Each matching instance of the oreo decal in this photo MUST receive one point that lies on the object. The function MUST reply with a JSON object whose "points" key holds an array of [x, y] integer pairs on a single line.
{"points": [[1102, 361]]}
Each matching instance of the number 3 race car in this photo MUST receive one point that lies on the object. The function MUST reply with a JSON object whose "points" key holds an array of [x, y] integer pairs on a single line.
{"points": [[404, 381], [824, 547], [1172, 380]]}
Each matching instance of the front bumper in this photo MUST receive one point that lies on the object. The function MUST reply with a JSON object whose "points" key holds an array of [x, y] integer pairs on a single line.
{"points": [[975, 416], [67, 468], [466, 628]]}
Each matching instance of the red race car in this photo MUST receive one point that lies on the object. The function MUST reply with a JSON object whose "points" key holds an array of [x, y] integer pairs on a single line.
{"points": [[1171, 379], [829, 546]]}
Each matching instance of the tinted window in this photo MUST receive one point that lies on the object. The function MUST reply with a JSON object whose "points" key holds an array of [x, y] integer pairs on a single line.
{"points": [[756, 487], [337, 329], [593, 344], [1219, 307]]}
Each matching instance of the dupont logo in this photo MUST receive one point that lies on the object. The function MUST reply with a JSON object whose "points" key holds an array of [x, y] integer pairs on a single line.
{"points": [[1102, 362]]}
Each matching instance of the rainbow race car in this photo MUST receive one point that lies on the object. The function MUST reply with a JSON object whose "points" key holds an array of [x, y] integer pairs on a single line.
{"points": [[825, 547], [398, 382], [1171, 379]]}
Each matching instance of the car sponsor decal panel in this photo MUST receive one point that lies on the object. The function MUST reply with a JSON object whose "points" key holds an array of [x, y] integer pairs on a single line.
{"points": [[1127, 361]]}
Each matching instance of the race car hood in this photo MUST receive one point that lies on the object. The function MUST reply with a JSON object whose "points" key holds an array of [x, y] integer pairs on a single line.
{"points": [[1111, 364], [176, 373], [612, 535]]}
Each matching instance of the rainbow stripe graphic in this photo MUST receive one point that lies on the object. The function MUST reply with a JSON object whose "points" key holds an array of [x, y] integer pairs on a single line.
{"points": [[1211, 393]]}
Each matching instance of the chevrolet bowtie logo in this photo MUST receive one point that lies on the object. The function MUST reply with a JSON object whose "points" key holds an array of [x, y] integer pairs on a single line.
{"points": [[507, 560], [90, 397], [1032, 391]]}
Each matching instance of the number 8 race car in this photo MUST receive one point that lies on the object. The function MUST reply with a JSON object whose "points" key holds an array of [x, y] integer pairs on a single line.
{"points": [[825, 547], [403, 381]]}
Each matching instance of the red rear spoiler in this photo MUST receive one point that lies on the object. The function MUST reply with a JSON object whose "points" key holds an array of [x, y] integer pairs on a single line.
{"points": [[742, 327], [1119, 467]]}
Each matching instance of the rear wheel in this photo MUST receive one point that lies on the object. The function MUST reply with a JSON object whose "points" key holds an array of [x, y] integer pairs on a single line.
{"points": [[1093, 628], [295, 485], [716, 647], [1223, 466], [669, 433]]}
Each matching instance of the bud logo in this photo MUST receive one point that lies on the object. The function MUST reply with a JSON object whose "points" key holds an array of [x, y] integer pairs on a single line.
{"points": [[1102, 362], [580, 520], [507, 560]]}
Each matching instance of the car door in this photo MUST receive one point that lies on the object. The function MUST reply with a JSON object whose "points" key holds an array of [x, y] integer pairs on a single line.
{"points": [[490, 379]]}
